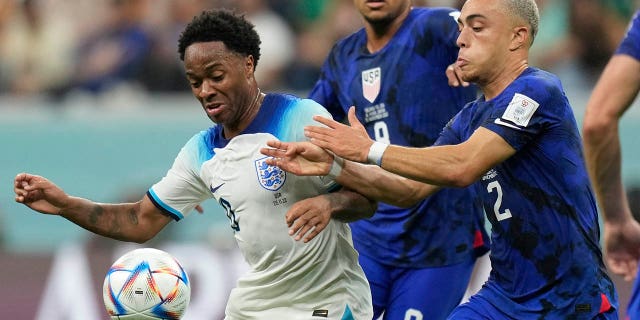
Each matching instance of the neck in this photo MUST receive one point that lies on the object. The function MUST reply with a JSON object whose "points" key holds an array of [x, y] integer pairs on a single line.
{"points": [[379, 34], [249, 114], [502, 80]]}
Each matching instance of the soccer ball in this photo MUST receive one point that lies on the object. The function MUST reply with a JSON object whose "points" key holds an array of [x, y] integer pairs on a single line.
{"points": [[146, 284]]}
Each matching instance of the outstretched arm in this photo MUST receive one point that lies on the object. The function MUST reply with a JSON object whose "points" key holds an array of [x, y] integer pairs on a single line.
{"points": [[613, 94], [135, 222], [448, 165], [305, 158]]}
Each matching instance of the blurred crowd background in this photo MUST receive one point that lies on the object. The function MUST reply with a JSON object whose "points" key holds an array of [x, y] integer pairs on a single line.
{"points": [[93, 96], [61, 48]]}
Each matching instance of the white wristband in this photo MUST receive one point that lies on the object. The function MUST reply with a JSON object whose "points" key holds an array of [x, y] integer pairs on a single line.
{"points": [[375, 152]]}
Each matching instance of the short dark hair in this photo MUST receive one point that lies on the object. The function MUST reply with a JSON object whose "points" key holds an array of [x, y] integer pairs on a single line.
{"points": [[237, 34]]}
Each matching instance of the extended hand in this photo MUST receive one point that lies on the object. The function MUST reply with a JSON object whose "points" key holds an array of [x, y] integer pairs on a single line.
{"points": [[349, 142], [622, 248], [39, 193], [299, 158], [308, 217]]}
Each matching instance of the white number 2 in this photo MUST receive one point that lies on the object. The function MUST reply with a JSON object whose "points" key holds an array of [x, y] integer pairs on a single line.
{"points": [[506, 214]]}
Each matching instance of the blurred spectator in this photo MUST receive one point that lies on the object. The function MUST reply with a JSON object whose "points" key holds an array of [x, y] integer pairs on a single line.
{"points": [[114, 54], [35, 48], [315, 39], [580, 33], [278, 41], [163, 71]]}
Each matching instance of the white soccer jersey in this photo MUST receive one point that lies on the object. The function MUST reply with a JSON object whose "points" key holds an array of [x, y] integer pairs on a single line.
{"points": [[288, 280]]}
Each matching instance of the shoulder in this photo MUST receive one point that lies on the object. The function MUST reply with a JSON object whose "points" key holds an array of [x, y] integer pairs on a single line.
{"points": [[292, 104], [630, 44], [199, 148], [538, 84], [349, 45]]}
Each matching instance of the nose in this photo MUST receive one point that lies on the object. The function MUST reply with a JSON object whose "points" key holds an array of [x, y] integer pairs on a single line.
{"points": [[206, 90], [461, 41]]}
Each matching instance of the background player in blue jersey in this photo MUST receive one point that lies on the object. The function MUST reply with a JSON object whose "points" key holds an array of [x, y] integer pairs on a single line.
{"points": [[519, 146], [287, 279], [613, 94], [394, 72]]}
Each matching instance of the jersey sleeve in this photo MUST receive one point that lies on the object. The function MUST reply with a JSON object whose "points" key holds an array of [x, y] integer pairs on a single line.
{"points": [[182, 189], [630, 44], [301, 116], [527, 108]]}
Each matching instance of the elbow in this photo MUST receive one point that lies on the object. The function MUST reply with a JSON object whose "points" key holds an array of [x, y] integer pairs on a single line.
{"points": [[460, 176], [595, 128], [142, 237]]}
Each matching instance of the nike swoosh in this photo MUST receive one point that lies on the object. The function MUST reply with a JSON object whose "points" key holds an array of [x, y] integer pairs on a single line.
{"points": [[213, 190]]}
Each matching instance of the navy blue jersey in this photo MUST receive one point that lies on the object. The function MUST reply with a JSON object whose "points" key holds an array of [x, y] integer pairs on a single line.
{"points": [[545, 252], [402, 97], [630, 45]]}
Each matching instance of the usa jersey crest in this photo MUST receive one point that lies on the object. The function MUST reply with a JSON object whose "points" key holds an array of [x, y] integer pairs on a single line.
{"points": [[371, 83], [270, 177]]}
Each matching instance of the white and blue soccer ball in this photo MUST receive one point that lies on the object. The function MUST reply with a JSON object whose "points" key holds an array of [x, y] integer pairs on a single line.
{"points": [[146, 284]]}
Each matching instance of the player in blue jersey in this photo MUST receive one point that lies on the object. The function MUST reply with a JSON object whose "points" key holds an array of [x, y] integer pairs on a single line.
{"points": [[613, 94], [519, 146], [394, 72], [320, 279]]}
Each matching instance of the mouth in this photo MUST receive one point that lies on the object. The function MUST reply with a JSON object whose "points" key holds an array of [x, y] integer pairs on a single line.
{"points": [[213, 108], [461, 62], [375, 4]]}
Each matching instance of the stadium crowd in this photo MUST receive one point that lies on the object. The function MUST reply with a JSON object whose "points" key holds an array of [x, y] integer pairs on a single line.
{"points": [[54, 48]]}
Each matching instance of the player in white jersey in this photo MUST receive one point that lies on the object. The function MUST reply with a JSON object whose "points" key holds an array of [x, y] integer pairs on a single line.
{"points": [[320, 279]]}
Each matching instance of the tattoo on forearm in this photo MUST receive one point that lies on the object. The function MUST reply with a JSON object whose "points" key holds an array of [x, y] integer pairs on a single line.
{"points": [[133, 216], [95, 214]]}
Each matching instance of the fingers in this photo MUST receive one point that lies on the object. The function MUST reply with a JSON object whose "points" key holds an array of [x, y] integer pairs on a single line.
{"points": [[454, 76], [353, 120], [451, 76], [303, 224], [623, 267], [327, 122]]}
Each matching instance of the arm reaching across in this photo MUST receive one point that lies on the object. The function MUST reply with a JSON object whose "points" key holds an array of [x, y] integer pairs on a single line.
{"points": [[305, 158], [613, 94], [135, 222]]}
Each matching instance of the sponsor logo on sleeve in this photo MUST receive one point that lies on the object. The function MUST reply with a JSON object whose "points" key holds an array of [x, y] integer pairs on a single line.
{"points": [[519, 112]]}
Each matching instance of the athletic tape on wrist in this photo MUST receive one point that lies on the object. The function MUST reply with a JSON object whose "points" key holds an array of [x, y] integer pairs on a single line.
{"points": [[375, 152]]}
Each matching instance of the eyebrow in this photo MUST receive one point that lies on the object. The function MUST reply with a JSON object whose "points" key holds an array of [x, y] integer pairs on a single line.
{"points": [[206, 68], [471, 17]]}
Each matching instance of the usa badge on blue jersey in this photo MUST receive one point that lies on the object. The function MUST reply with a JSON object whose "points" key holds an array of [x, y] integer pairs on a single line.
{"points": [[371, 83], [270, 177]]}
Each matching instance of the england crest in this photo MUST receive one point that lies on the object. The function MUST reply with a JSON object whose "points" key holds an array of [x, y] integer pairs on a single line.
{"points": [[270, 177], [371, 83]]}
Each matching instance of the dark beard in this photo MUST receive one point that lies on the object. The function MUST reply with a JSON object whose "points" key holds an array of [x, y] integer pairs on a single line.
{"points": [[380, 24]]}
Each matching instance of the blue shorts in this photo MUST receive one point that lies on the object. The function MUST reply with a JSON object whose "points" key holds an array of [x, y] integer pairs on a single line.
{"points": [[416, 294], [478, 308]]}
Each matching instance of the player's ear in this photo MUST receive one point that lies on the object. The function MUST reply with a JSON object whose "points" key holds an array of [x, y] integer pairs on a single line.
{"points": [[249, 66], [520, 38]]}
